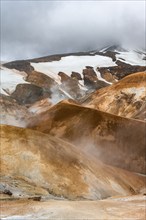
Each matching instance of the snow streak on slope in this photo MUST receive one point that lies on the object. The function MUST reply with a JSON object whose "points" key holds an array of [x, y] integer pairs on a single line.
{"points": [[132, 58], [72, 63], [9, 80]]}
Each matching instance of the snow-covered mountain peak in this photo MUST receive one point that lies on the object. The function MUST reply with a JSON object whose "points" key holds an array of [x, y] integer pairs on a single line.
{"points": [[114, 48]]}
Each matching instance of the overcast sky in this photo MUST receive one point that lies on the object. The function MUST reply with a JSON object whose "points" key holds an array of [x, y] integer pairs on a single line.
{"points": [[38, 28]]}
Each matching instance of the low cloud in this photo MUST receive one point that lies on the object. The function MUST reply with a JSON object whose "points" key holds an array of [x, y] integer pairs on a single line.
{"points": [[38, 28]]}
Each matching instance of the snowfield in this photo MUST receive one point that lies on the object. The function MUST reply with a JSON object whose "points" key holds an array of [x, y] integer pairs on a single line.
{"points": [[72, 63], [10, 79], [131, 57]]}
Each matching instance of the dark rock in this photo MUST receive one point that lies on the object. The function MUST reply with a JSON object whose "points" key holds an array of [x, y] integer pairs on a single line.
{"points": [[8, 192], [29, 93], [57, 57], [70, 85], [21, 65], [41, 80], [108, 76], [91, 81], [121, 70], [64, 77], [89, 67], [35, 198], [76, 75]]}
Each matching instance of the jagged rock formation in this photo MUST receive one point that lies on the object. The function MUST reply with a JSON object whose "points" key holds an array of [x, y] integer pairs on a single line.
{"points": [[29, 93], [70, 85], [121, 70], [41, 80], [91, 80], [76, 75]]}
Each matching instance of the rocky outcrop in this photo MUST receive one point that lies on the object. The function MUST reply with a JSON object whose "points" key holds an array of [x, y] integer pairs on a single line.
{"points": [[121, 70], [90, 79], [41, 80], [108, 76], [71, 86], [21, 65], [76, 75], [29, 93]]}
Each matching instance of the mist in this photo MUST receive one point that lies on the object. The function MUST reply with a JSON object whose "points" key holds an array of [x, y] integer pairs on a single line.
{"points": [[38, 28]]}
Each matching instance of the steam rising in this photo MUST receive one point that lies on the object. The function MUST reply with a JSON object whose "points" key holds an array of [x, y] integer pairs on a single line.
{"points": [[38, 28]]}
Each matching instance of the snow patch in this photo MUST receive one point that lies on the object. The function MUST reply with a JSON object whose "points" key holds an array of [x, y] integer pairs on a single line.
{"points": [[132, 58], [10, 79], [104, 49], [100, 78]]}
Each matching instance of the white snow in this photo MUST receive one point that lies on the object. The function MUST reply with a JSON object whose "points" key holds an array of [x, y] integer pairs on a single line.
{"points": [[72, 63], [82, 86], [9, 79], [131, 57], [66, 93], [100, 78], [104, 49]]}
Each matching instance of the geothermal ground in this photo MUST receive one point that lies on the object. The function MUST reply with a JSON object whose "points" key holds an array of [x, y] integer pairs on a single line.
{"points": [[73, 137]]}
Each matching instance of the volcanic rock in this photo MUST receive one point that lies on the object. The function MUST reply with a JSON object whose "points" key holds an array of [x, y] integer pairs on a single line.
{"points": [[90, 79], [70, 85], [76, 75], [108, 76], [21, 65], [121, 70], [41, 80], [29, 93]]}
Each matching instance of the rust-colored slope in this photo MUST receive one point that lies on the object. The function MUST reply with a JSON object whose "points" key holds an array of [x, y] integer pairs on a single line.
{"points": [[12, 113], [115, 140], [60, 168], [125, 98]]}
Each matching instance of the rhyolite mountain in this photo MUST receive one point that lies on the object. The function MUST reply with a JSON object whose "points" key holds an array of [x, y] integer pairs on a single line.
{"points": [[69, 75], [73, 128]]}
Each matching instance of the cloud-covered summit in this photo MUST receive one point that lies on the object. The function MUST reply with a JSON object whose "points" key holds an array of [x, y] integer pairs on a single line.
{"points": [[38, 28]]}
